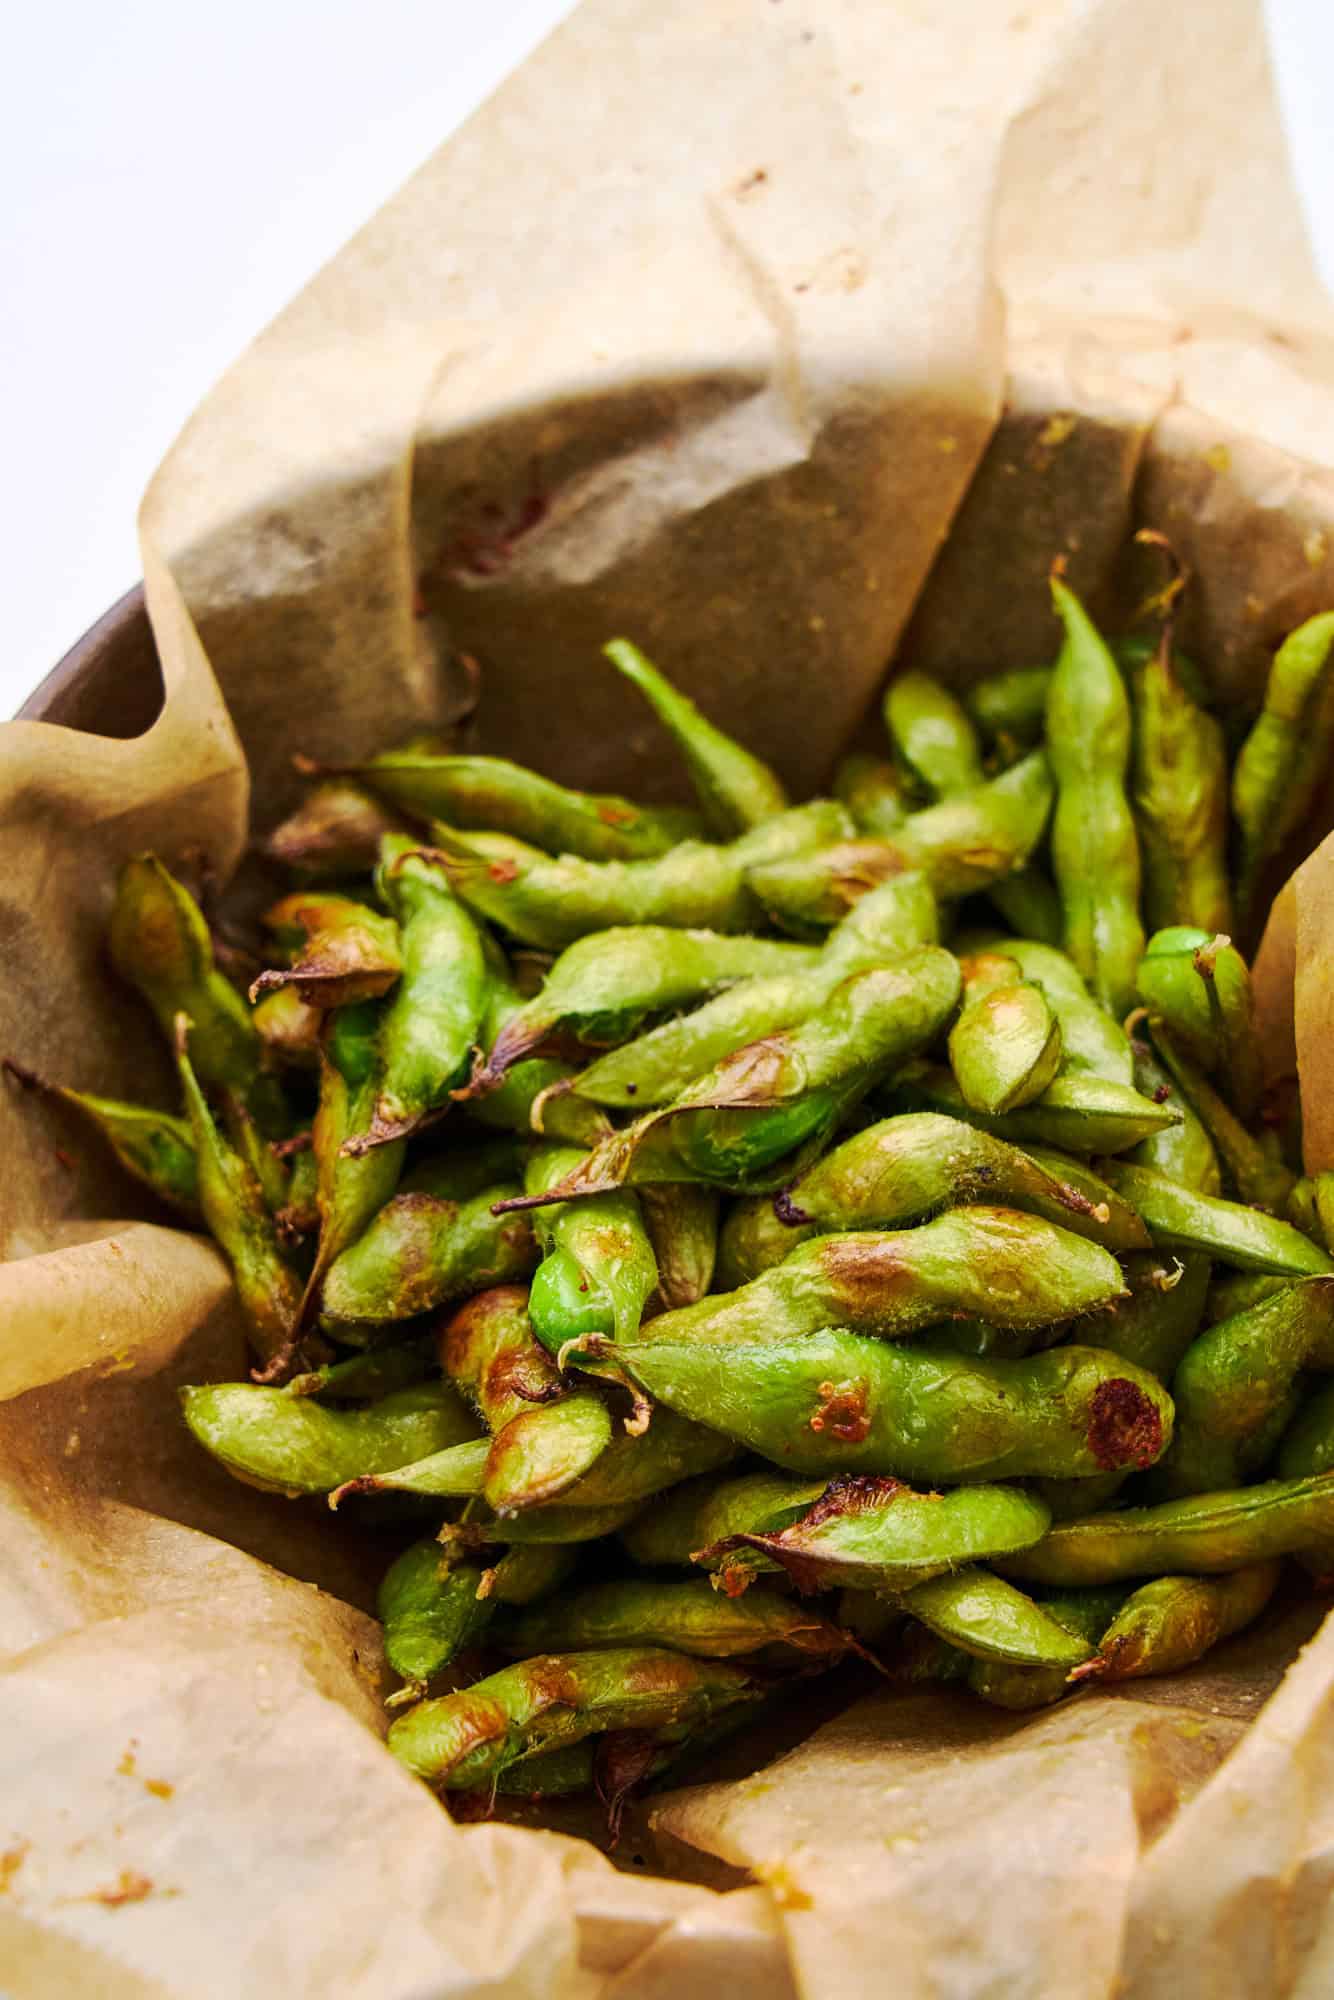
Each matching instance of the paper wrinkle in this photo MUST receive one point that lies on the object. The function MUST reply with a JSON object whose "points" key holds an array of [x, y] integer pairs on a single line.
{"points": [[782, 345]]}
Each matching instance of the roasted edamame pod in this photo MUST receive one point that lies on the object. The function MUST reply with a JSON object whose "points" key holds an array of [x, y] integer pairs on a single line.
{"points": [[155, 1147], [1181, 1219], [1279, 766], [735, 790], [295, 1444], [687, 1614], [1175, 1620]]}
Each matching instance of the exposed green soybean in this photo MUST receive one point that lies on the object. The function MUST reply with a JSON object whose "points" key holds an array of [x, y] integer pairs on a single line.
{"points": [[598, 1270]]}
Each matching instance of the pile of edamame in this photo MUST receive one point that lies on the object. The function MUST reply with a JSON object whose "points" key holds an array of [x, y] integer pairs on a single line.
{"points": [[748, 1236]]}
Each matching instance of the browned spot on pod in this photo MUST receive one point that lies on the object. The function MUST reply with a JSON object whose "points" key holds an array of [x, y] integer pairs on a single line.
{"points": [[1125, 1427], [842, 1410], [459, 1340]]}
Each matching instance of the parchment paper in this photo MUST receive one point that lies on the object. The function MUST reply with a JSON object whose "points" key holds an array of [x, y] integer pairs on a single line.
{"points": [[785, 338]]}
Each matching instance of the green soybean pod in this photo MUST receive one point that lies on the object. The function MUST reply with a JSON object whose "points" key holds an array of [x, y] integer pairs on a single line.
{"points": [[933, 734], [985, 1616], [1181, 1219], [1005, 1048], [1175, 1620], [1279, 766], [735, 789], [294, 1444], [1205, 1535], [1179, 794], [1095, 852], [1237, 1382], [421, 1251], [598, 1270], [155, 1147], [832, 1401], [1084, 1613], [686, 1614], [335, 831], [706, 1509], [1092, 1039], [430, 1610], [1011, 705], [1078, 1113]]}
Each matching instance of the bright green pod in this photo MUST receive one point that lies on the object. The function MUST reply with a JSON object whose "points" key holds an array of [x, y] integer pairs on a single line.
{"points": [[1084, 1613], [154, 1147], [160, 943], [1015, 1269], [906, 1169], [288, 1028], [894, 919], [430, 1611], [1180, 1219], [455, 1472], [1011, 705], [682, 1225], [598, 1270], [534, 1095], [238, 1217], [1175, 1620], [706, 1510], [546, 1436], [764, 1101], [1199, 986], [350, 1189], [687, 1614], [933, 734], [1208, 1534], [1282, 761], [335, 831], [295, 1444], [431, 1024], [601, 988], [550, 903], [1179, 795], [491, 794], [1236, 1383], [874, 793], [961, 845], [471, 1737], [341, 950], [833, 1401], [1005, 1048], [735, 789], [987, 1617], [1307, 1445], [1094, 848], [1184, 1151], [865, 1533], [1078, 1113], [1092, 1040], [421, 1251]]}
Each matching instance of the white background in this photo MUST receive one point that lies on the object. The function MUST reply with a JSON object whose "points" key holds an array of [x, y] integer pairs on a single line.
{"points": [[171, 174]]}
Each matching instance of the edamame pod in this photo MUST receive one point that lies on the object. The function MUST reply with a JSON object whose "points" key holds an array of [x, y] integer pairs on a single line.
{"points": [[1095, 852], [866, 1533], [1005, 1048], [833, 1401], [1078, 1113], [1010, 705], [706, 1510], [1307, 1445], [1178, 794], [1279, 766], [735, 790], [551, 903], [1175, 1620], [764, 1101], [430, 1611], [933, 734], [891, 921], [1180, 1219], [471, 1737], [1091, 1039], [153, 1146], [1016, 1269], [1184, 1151], [294, 1444], [687, 1614], [492, 794], [1206, 1535], [598, 1270], [421, 1251], [987, 1617]]}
